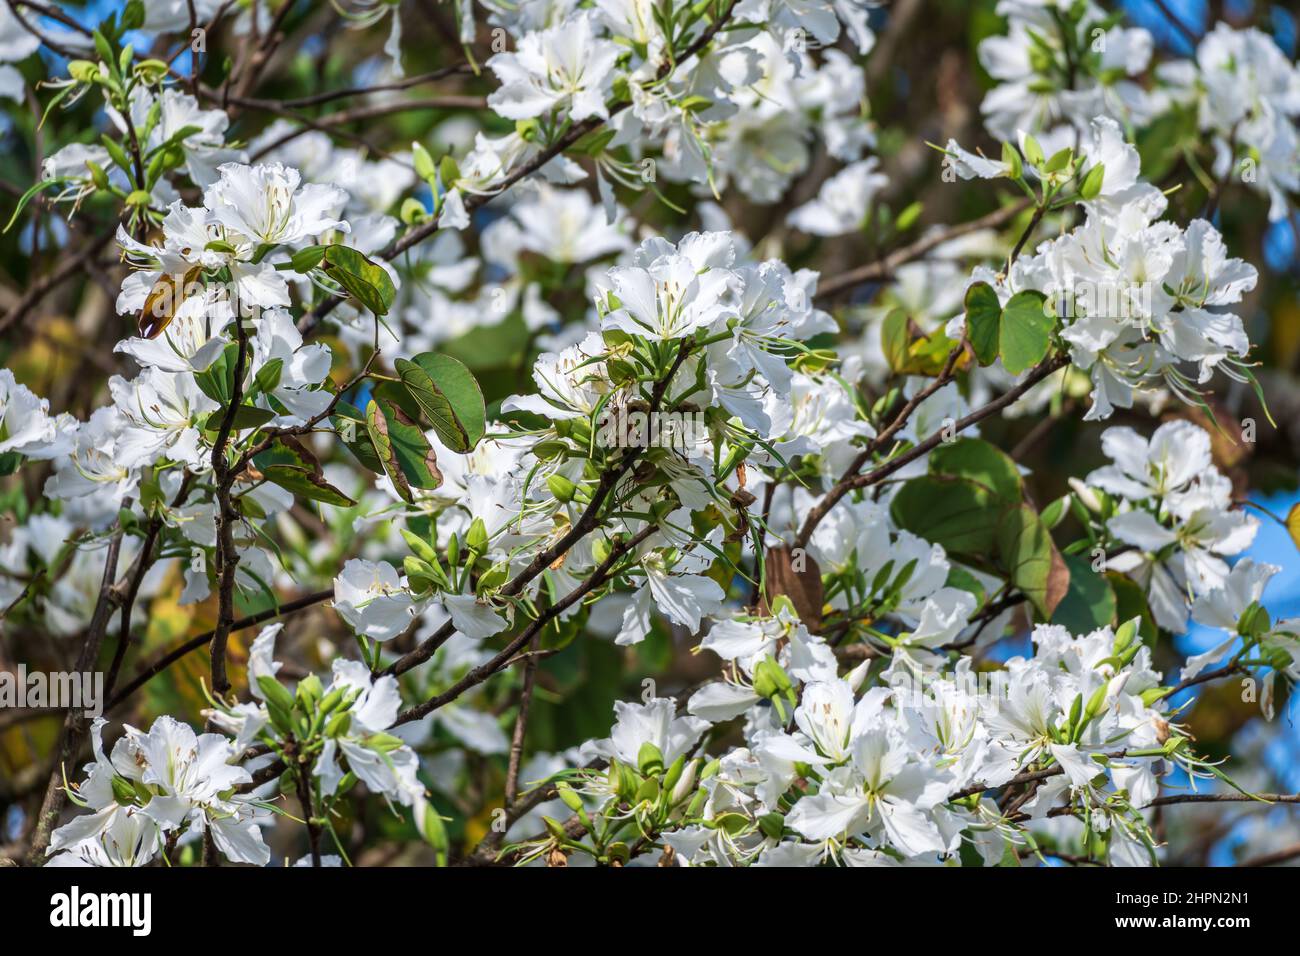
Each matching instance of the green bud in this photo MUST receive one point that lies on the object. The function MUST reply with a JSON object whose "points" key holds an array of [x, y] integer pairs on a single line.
{"points": [[561, 487], [1033, 152], [1153, 694], [674, 772], [339, 725], [412, 211], [1011, 157], [384, 742], [648, 792], [1125, 633], [623, 781], [772, 825], [570, 798], [1076, 710], [770, 679], [273, 692], [448, 172], [97, 174], [151, 71], [477, 537], [423, 162], [1090, 188], [332, 700], [650, 759], [83, 71], [123, 791], [420, 574], [1254, 621], [309, 691], [1096, 702]]}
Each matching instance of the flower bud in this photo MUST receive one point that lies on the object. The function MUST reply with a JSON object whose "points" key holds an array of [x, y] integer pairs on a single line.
{"points": [[561, 487], [685, 783], [477, 537], [570, 798], [650, 759]]}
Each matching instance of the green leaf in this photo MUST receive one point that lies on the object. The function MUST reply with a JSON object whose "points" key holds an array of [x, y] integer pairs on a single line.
{"points": [[304, 260], [305, 483], [1033, 152], [909, 351], [448, 393], [404, 452], [246, 416], [292, 465], [1020, 334], [1031, 560], [1060, 159], [963, 580], [362, 278], [981, 462], [983, 319], [32, 190], [268, 376], [1026, 331], [217, 381], [1089, 602], [351, 425], [956, 513]]}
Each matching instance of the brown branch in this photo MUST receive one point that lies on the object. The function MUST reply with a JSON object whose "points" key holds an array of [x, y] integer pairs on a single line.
{"points": [[521, 728], [75, 723], [481, 673], [852, 479], [879, 271], [166, 660]]}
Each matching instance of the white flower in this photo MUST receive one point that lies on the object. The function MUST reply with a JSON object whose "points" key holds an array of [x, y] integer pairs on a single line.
{"points": [[161, 413], [650, 723], [969, 165], [669, 299], [91, 466], [566, 67], [269, 204], [472, 617], [370, 597], [25, 424], [843, 202], [381, 761], [302, 368], [16, 43]]}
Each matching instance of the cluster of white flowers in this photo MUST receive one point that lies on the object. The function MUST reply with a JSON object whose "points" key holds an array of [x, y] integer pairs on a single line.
{"points": [[1172, 511], [692, 457], [1062, 63], [1139, 298], [156, 788], [1059, 65], [1246, 95], [895, 774], [718, 108]]}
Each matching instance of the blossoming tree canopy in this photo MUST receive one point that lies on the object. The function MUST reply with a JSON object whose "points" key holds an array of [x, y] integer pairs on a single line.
{"points": [[614, 433]]}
